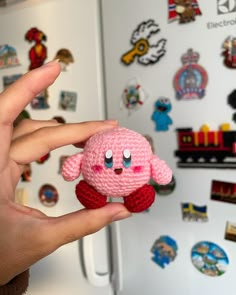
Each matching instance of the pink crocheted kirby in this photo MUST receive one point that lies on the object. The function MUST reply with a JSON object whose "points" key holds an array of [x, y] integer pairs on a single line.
{"points": [[116, 163]]}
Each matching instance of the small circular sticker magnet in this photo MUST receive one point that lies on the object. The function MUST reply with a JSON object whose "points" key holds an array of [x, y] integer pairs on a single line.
{"points": [[209, 258], [48, 195]]}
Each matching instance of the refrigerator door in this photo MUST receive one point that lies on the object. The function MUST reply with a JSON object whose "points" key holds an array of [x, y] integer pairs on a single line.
{"points": [[74, 25], [205, 35]]}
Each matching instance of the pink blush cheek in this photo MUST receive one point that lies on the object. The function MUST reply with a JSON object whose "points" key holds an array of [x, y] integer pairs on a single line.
{"points": [[97, 168], [137, 169]]}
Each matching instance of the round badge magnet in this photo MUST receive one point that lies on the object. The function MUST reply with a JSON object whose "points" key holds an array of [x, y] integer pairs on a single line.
{"points": [[48, 195], [209, 258]]}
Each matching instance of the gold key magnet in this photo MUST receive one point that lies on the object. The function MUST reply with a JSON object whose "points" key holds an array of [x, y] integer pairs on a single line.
{"points": [[140, 48]]}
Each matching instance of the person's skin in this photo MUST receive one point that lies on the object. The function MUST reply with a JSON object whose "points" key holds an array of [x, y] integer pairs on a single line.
{"points": [[26, 234]]}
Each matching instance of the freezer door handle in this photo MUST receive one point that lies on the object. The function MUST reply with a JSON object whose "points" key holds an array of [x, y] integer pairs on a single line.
{"points": [[95, 260], [116, 257]]}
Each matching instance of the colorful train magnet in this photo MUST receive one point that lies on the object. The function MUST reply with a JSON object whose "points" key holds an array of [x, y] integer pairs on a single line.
{"points": [[134, 95], [192, 212], [8, 57], [146, 49], [191, 79], [164, 251], [65, 58], [206, 148], [183, 10], [160, 115], [229, 52], [209, 258], [37, 53]]}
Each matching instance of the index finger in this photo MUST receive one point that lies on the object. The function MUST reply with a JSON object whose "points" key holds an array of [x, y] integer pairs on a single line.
{"points": [[17, 96], [46, 139]]}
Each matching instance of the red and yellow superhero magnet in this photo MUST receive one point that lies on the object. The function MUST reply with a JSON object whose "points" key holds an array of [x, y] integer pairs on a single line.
{"points": [[38, 52], [147, 49], [191, 79], [183, 10]]}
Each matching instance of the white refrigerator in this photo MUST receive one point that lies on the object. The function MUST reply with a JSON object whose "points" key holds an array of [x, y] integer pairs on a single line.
{"points": [[124, 24], [118, 260]]}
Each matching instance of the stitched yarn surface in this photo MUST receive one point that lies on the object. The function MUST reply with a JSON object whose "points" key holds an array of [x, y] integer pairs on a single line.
{"points": [[104, 179], [116, 163]]}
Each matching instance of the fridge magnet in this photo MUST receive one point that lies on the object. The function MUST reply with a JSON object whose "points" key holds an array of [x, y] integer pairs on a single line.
{"points": [[206, 148], [59, 119], [209, 258], [192, 212], [8, 80], [43, 159], [68, 101], [183, 10], [40, 102], [65, 57], [48, 195], [146, 48], [230, 231], [23, 115], [232, 99], [223, 191], [163, 190], [61, 162], [151, 142], [160, 115], [38, 52], [26, 174], [134, 95], [229, 52], [164, 251], [8, 57], [191, 79], [121, 166]]}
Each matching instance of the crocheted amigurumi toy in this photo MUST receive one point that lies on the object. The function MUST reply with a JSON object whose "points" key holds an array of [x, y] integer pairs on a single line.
{"points": [[116, 163]]}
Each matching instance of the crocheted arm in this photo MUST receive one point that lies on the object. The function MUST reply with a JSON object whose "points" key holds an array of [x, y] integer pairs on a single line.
{"points": [[71, 168], [160, 172]]}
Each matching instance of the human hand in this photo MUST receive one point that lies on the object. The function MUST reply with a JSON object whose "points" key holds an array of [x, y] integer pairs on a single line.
{"points": [[26, 234]]}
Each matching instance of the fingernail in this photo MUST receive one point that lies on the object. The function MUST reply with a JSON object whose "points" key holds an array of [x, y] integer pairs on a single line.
{"points": [[50, 63], [121, 215], [111, 122]]}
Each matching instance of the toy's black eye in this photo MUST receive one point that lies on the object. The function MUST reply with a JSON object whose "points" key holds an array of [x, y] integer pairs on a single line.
{"points": [[126, 158], [108, 159]]}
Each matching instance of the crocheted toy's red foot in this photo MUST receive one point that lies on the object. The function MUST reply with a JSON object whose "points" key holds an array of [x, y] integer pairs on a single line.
{"points": [[88, 196], [141, 199]]}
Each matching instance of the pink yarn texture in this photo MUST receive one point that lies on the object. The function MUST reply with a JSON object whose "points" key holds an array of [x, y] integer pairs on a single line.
{"points": [[116, 163]]}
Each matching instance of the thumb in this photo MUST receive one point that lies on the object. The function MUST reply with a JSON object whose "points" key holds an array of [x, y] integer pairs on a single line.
{"points": [[73, 226]]}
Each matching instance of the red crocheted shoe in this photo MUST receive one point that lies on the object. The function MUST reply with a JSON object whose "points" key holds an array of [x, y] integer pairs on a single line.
{"points": [[88, 196], [141, 199]]}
